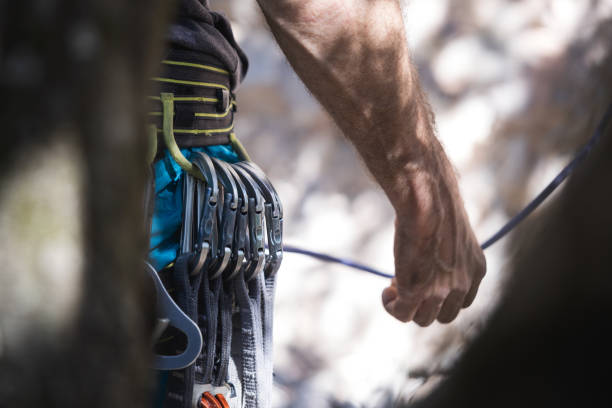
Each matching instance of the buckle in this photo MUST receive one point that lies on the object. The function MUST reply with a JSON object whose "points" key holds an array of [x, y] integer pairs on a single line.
{"points": [[224, 100]]}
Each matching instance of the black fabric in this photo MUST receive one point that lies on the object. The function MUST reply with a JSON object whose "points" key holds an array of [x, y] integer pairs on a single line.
{"points": [[179, 389], [207, 321], [199, 35], [197, 28], [226, 305]]}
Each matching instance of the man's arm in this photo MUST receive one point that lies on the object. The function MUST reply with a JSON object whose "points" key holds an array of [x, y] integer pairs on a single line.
{"points": [[353, 56]]}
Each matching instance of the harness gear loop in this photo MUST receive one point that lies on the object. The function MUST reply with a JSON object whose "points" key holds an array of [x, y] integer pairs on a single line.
{"points": [[238, 147], [167, 100]]}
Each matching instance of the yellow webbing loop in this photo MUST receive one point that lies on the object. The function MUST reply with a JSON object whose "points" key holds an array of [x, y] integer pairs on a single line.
{"points": [[202, 131], [194, 83], [215, 115], [239, 148], [188, 99], [167, 100]]}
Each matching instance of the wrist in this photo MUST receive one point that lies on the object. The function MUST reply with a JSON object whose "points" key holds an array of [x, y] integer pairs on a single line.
{"points": [[424, 187]]}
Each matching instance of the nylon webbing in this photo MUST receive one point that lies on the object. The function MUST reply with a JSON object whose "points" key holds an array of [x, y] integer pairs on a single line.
{"points": [[247, 296], [225, 332], [268, 291]]}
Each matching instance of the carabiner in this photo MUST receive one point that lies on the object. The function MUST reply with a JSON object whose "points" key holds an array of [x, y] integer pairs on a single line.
{"points": [[208, 401], [207, 233], [274, 217], [186, 240], [256, 225], [240, 254], [228, 218]]}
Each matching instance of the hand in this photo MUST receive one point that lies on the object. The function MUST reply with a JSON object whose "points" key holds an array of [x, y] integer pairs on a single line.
{"points": [[438, 262]]}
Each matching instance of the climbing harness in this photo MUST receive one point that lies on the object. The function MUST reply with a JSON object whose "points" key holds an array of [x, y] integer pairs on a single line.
{"points": [[214, 266]]}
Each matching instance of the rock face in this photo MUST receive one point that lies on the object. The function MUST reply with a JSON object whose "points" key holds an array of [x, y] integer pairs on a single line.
{"points": [[511, 85]]}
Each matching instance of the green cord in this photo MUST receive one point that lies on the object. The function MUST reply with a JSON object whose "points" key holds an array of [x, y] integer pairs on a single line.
{"points": [[239, 148], [167, 100]]}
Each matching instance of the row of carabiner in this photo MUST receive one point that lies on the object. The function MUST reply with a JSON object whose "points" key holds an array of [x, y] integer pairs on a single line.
{"points": [[231, 240], [233, 220]]}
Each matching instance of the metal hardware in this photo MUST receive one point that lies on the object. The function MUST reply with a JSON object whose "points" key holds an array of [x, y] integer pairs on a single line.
{"points": [[256, 225], [274, 217]]}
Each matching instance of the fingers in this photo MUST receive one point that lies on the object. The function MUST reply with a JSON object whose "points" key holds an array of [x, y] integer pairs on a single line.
{"points": [[422, 308], [469, 298], [451, 307], [406, 306], [398, 306], [428, 311], [440, 298], [479, 273]]}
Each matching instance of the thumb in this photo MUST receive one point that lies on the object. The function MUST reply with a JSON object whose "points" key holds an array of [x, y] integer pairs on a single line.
{"points": [[396, 306], [389, 295]]}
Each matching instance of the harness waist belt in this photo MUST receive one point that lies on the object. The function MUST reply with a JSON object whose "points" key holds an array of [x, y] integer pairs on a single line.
{"points": [[204, 102]]}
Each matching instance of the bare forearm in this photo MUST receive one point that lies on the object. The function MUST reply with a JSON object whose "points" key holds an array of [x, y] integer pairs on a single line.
{"points": [[353, 57]]}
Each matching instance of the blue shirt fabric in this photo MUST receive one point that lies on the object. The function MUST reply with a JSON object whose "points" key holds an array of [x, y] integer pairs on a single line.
{"points": [[168, 212]]}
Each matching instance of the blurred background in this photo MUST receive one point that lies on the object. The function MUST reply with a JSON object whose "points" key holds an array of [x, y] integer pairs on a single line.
{"points": [[507, 82]]}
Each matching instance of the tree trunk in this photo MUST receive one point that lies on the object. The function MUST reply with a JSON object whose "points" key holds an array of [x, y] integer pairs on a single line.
{"points": [[75, 303]]}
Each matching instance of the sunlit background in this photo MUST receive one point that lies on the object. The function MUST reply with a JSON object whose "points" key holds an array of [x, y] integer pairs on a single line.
{"points": [[492, 70]]}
